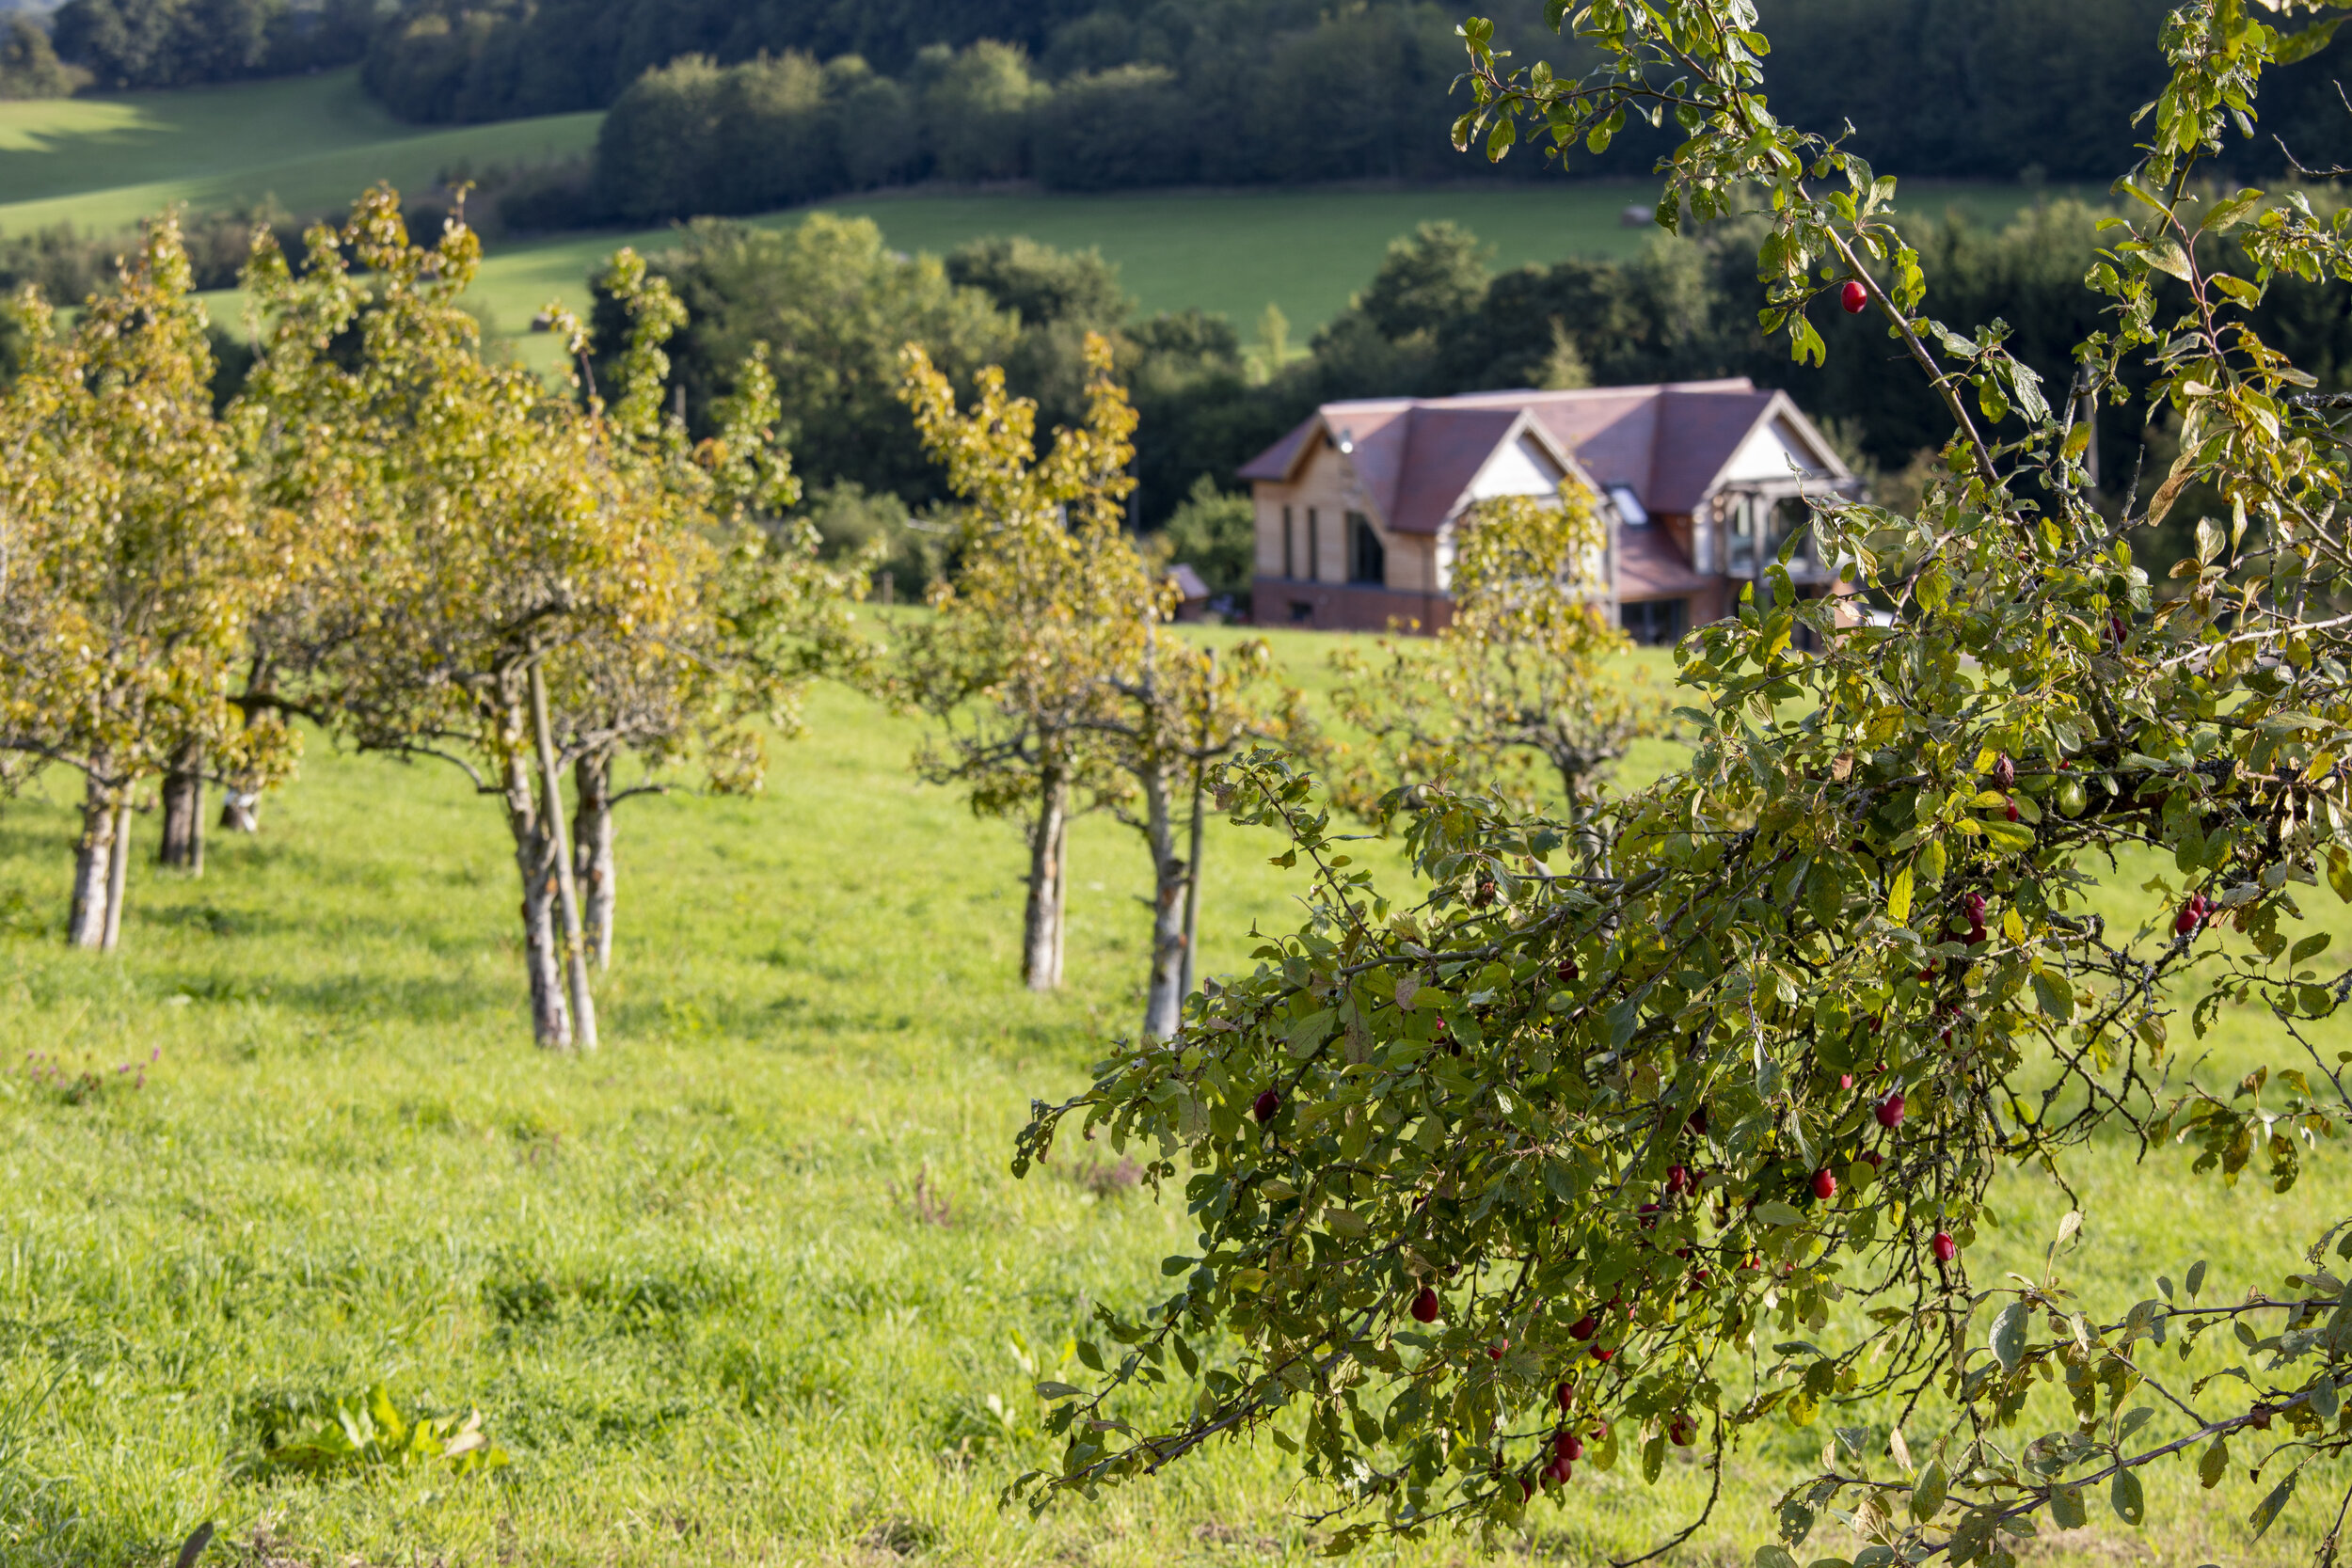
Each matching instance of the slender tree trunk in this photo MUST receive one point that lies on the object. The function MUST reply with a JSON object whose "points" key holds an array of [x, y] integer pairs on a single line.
{"points": [[593, 865], [535, 858], [183, 845], [1192, 883], [1163, 1000], [567, 892], [1049, 848], [93, 857], [118, 873]]}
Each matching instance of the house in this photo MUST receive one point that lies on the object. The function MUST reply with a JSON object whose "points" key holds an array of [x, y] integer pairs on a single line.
{"points": [[1701, 482]]}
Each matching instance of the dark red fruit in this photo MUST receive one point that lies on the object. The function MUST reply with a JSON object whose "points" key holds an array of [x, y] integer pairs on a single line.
{"points": [[1854, 297], [1558, 1472], [1889, 1111], [1696, 1121], [1425, 1305], [1700, 1277], [1266, 1105], [1824, 1185], [1568, 1445], [2192, 916], [1845, 1080], [1494, 1351], [1870, 1157], [1677, 1179], [1945, 1249], [1565, 1395], [1567, 970], [2013, 811], [1602, 1352], [1682, 1432], [1583, 1328]]}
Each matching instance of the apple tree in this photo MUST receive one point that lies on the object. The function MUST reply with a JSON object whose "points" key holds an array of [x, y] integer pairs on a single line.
{"points": [[1517, 693], [134, 558], [1513, 1169]]}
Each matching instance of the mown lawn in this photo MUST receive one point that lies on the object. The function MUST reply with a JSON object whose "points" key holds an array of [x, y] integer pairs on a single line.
{"points": [[750, 1285]]}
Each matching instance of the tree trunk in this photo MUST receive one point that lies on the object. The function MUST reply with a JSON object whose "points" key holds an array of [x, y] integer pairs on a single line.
{"points": [[535, 858], [1192, 883], [86, 927], [1049, 850], [1163, 1000], [118, 873], [593, 865], [567, 892], [184, 814]]}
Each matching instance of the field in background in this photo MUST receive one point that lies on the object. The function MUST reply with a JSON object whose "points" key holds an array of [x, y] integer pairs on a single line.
{"points": [[314, 142], [753, 1284]]}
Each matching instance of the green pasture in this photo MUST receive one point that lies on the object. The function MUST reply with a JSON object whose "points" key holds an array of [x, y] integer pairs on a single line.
{"points": [[312, 142], [753, 1285]]}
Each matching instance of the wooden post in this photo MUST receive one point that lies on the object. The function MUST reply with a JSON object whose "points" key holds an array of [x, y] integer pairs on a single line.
{"points": [[567, 892]]}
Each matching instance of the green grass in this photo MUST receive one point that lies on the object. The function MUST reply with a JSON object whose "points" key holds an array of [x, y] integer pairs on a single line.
{"points": [[312, 142], [739, 1288]]}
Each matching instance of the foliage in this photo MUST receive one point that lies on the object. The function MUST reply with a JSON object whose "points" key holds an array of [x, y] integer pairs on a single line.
{"points": [[29, 67], [1050, 600], [135, 560], [1528, 1168], [175, 43], [1216, 533], [832, 307], [1517, 681], [366, 1430]]}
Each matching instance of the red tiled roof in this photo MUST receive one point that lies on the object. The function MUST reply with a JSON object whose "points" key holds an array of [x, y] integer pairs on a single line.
{"points": [[1415, 457]]}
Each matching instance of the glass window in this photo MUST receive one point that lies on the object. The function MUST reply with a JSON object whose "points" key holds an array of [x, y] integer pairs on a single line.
{"points": [[1367, 560], [1655, 622], [1290, 554], [1742, 525]]}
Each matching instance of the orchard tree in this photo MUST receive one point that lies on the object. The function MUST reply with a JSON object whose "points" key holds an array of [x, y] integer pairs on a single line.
{"points": [[506, 540], [1518, 682], [765, 616], [1523, 1169], [1162, 722], [132, 560], [1050, 600]]}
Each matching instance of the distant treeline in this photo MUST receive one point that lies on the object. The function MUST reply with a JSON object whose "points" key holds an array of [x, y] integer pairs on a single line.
{"points": [[180, 43], [834, 305], [1234, 92]]}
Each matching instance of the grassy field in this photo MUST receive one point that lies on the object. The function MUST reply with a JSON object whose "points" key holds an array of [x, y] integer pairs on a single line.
{"points": [[314, 142], [751, 1286]]}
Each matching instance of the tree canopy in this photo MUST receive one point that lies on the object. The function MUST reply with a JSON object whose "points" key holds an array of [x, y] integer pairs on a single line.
{"points": [[1524, 1165]]}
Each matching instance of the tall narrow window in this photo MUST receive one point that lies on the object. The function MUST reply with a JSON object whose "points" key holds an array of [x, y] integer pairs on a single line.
{"points": [[1314, 546], [1290, 554], [1367, 562]]}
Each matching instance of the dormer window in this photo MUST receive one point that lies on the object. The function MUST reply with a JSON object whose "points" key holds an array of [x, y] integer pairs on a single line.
{"points": [[1630, 509]]}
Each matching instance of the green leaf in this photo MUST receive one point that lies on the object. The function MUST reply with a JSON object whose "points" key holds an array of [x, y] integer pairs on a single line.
{"points": [[2324, 1399], [2125, 1498], [2066, 1508], [1056, 1391], [2213, 1463], [2230, 213], [1772, 1555], [2055, 997], [2268, 1511], [2196, 1278], [1898, 897], [2009, 1336], [2011, 838], [1927, 1498]]}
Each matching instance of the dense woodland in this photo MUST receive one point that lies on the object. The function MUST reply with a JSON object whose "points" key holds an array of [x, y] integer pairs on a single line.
{"points": [[811, 99]]}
